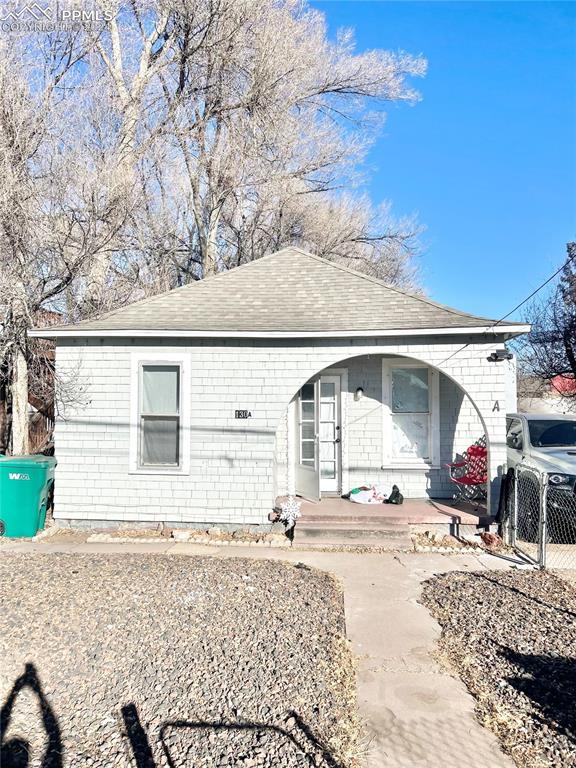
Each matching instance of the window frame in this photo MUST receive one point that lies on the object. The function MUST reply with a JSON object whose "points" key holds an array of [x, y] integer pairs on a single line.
{"points": [[144, 416], [388, 460], [139, 361]]}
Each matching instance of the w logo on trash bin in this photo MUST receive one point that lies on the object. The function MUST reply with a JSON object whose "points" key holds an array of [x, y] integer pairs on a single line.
{"points": [[18, 476]]}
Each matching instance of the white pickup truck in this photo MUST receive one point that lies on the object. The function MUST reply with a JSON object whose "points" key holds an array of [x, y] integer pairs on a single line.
{"points": [[547, 443]]}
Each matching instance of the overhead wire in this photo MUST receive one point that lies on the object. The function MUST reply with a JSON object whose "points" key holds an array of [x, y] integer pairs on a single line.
{"points": [[537, 290]]}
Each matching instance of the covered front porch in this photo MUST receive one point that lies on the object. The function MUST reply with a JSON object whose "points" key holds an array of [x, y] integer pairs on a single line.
{"points": [[379, 421]]}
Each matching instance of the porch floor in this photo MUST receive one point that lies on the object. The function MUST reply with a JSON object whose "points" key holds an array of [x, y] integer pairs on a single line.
{"points": [[411, 512]]}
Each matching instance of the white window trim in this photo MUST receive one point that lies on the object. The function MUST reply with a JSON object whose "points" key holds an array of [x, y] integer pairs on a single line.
{"points": [[388, 462], [139, 359]]}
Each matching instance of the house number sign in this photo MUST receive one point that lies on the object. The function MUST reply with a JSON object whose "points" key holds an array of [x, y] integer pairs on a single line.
{"points": [[242, 414]]}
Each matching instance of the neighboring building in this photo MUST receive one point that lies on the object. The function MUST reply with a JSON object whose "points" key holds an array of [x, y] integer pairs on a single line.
{"points": [[290, 374], [538, 396]]}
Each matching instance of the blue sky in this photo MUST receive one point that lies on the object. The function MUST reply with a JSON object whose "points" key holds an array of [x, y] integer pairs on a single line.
{"points": [[488, 157]]}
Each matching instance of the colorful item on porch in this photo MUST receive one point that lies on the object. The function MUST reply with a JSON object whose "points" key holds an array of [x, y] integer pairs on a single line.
{"points": [[471, 474], [290, 512], [368, 494]]}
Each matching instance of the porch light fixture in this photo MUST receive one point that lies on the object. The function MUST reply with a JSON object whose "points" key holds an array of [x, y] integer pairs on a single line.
{"points": [[499, 356], [359, 394]]}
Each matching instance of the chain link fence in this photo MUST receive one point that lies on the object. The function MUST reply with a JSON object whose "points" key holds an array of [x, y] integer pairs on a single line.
{"points": [[539, 516]]}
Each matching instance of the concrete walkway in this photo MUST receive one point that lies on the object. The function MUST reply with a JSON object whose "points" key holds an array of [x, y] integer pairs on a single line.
{"points": [[416, 714]]}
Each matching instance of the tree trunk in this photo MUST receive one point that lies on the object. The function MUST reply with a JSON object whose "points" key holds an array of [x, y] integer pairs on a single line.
{"points": [[4, 423], [19, 391], [210, 255]]}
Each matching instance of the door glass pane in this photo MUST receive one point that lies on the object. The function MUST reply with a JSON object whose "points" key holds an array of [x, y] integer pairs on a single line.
{"points": [[327, 389], [327, 430], [308, 411], [307, 392], [160, 387], [410, 436], [326, 411], [328, 470], [308, 449], [410, 390], [327, 451], [308, 430], [160, 441]]}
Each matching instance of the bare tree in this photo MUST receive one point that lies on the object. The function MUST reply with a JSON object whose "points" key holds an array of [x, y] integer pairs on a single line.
{"points": [[173, 140], [343, 228], [131, 55], [243, 106], [549, 351], [53, 221]]}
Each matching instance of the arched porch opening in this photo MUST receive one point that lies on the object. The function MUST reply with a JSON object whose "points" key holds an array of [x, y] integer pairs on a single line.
{"points": [[444, 417]]}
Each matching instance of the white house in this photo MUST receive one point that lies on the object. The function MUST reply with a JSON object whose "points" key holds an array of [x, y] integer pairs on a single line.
{"points": [[290, 374]]}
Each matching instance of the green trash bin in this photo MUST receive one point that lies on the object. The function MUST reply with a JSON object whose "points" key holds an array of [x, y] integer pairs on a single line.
{"points": [[25, 487]]}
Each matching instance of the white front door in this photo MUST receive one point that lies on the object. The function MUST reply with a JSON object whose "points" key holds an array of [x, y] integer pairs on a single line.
{"points": [[318, 438], [330, 434]]}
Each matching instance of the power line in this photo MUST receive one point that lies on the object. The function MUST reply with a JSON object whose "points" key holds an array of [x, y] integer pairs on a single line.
{"points": [[453, 354], [543, 285]]}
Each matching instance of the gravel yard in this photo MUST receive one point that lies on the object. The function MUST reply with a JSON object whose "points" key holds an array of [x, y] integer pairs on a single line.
{"points": [[511, 636], [137, 660]]}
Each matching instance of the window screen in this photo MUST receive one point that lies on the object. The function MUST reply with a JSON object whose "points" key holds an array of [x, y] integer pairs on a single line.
{"points": [[160, 415]]}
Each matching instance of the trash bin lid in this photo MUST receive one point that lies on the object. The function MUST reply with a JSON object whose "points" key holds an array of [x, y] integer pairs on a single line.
{"points": [[25, 461]]}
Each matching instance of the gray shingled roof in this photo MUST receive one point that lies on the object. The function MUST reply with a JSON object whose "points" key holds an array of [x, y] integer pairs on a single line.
{"points": [[287, 291]]}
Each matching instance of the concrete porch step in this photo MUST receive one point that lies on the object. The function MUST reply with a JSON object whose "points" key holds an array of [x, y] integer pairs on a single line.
{"points": [[393, 545], [347, 519], [344, 534], [349, 529], [389, 538]]}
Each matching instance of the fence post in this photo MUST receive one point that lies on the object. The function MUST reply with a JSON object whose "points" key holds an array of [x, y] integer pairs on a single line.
{"points": [[514, 514], [543, 514]]}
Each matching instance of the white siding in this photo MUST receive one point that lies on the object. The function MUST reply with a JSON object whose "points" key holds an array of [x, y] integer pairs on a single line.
{"points": [[235, 472]]}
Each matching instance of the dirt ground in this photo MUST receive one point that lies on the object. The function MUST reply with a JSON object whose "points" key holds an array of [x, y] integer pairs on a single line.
{"points": [[138, 660], [511, 636]]}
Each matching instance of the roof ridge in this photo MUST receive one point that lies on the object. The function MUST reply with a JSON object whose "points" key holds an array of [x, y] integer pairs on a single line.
{"points": [[390, 287]]}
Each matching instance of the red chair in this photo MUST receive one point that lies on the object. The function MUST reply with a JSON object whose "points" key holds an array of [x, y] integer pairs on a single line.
{"points": [[471, 474]]}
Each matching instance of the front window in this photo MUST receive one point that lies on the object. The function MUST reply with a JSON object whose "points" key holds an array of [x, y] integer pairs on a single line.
{"points": [[410, 406], [159, 416], [548, 433]]}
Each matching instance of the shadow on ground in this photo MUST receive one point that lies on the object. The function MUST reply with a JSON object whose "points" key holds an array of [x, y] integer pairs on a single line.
{"points": [[524, 595], [14, 752], [550, 683], [298, 738]]}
